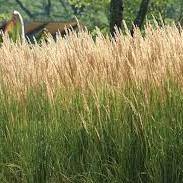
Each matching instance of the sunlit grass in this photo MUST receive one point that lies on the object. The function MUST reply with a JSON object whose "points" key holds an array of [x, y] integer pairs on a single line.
{"points": [[80, 110]]}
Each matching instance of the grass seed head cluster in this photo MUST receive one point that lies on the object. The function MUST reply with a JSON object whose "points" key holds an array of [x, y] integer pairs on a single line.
{"points": [[77, 61]]}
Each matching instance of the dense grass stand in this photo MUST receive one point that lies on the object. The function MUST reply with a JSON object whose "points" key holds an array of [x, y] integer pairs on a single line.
{"points": [[79, 110]]}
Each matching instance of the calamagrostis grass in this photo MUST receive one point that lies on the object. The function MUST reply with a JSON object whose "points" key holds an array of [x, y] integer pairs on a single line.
{"points": [[93, 110]]}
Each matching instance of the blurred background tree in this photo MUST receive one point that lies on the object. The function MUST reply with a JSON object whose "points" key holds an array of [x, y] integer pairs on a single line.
{"points": [[92, 12], [116, 15]]}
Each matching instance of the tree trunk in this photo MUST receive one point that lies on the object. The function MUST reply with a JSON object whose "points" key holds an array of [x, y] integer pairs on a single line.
{"points": [[48, 8], [116, 15], [141, 15], [180, 19]]}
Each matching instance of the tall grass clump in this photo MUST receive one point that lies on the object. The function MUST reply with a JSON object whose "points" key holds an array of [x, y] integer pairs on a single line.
{"points": [[84, 110]]}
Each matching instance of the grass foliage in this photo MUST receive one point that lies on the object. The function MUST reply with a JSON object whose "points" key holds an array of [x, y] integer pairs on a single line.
{"points": [[80, 110]]}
